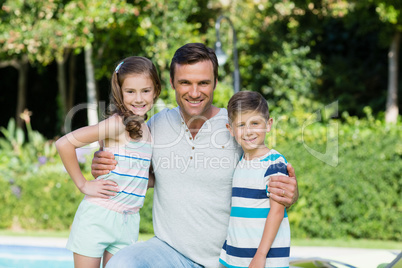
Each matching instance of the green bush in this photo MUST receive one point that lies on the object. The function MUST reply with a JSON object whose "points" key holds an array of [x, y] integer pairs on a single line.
{"points": [[48, 200], [360, 196], [356, 192]]}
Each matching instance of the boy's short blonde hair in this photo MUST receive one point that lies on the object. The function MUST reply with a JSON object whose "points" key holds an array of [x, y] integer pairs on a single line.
{"points": [[247, 101]]}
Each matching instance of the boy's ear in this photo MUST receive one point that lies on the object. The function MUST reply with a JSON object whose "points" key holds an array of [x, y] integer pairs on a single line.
{"points": [[269, 124], [230, 129]]}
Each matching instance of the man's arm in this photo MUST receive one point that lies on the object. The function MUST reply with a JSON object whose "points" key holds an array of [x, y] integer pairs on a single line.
{"points": [[102, 163], [284, 189]]}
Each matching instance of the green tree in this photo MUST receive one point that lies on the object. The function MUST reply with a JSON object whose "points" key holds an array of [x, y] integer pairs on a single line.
{"points": [[390, 13], [20, 40]]}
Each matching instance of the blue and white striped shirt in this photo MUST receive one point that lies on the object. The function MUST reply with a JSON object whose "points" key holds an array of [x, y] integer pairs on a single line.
{"points": [[250, 208]]}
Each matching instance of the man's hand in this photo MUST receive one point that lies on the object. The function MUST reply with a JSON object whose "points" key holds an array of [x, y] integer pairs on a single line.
{"points": [[102, 163], [284, 189]]}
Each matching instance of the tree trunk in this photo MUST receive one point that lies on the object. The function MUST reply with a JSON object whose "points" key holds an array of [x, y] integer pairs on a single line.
{"points": [[71, 79], [22, 89], [61, 80], [92, 107], [62, 83], [392, 110]]}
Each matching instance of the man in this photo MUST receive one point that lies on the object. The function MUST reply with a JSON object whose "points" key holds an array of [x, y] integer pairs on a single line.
{"points": [[193, 160]]}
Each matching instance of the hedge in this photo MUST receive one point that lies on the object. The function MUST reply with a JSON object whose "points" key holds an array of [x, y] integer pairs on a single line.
{"points": [[360, 196], [357, 196]]}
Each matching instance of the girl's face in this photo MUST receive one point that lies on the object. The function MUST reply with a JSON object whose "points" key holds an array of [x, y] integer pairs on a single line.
{"points": [[138, 93]]}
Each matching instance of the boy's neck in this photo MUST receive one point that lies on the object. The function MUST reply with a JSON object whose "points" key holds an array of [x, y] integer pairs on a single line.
{"points": [[256, 153]]}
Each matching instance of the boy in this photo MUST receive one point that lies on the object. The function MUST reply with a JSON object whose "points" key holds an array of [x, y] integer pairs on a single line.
{"points": [[258, 233]]}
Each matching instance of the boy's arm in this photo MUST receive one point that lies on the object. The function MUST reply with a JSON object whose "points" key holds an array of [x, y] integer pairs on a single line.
{"points": [[284, 189], [274, 220], [66, 146]]}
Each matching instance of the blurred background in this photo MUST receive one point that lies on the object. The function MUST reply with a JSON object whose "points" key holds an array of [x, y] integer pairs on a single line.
{"points": [[328, 69]]}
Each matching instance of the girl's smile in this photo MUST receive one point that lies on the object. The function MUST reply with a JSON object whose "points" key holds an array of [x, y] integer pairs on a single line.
{"points": [[138, 93]]}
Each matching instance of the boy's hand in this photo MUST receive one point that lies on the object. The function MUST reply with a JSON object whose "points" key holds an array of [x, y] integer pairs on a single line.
{"points": [[284, 189], [258, 261], [100, 188], [102, 163]]}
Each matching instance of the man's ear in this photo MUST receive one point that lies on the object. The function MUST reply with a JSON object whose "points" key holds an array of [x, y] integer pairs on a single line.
{"points": [[216, 83], [171, 83], [230, 129]]}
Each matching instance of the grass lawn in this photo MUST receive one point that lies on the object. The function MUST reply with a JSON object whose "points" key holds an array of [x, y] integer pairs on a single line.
{"points": [[352, 243]]}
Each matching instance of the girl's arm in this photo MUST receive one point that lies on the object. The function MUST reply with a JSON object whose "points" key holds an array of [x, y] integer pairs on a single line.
{"points": [[274, 220], [66, 145]]}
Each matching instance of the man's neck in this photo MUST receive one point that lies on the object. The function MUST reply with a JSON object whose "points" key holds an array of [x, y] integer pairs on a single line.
{"points": [[195, 123]]}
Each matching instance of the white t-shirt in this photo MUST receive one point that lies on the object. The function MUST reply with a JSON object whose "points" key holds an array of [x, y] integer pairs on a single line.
{"points": [[193, 184]]}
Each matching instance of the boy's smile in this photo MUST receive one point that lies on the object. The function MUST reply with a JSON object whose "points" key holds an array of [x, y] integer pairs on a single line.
{"points": [[249, 129]]}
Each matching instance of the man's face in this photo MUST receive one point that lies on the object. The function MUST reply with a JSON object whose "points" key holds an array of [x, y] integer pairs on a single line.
{"points": [[194, 85]]}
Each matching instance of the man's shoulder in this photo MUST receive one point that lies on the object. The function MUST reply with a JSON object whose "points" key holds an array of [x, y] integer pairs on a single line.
{"points": [[163, 115]]}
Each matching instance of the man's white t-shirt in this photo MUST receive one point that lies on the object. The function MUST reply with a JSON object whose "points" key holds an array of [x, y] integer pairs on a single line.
{"points": [[193, 184]]}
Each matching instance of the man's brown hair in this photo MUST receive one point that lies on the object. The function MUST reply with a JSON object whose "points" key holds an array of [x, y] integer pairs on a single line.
{"points": [[192, 53]]}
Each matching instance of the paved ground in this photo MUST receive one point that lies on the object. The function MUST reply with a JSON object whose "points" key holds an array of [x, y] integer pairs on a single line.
{"points": [[362, 258]]}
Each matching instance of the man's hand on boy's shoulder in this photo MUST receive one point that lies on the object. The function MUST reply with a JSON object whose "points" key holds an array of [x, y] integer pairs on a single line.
{"points": [[102, 163], [283, 189]]}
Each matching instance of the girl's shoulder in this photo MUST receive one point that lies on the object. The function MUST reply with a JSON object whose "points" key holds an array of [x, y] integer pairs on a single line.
{"points": [[114, 124], [115, 119]]}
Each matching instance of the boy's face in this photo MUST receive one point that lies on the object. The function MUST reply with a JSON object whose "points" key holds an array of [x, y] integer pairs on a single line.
{"points": [[249, 129]]}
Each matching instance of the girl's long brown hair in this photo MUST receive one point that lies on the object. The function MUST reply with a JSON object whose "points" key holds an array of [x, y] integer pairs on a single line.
{"points": [[133, 65]]}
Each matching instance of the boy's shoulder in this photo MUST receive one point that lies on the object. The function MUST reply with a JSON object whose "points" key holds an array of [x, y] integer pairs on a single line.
{"points": [[276, 163], [275, 157]]}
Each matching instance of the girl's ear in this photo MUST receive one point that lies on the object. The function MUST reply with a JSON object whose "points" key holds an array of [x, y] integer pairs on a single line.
{"points": [[230, 129]]}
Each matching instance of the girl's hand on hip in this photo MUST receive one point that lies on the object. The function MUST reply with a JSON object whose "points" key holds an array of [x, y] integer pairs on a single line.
{"points": [[100, 188]]}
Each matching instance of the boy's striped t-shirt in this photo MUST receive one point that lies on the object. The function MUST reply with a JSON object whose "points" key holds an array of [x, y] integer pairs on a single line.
{"points": [[250, 208]]}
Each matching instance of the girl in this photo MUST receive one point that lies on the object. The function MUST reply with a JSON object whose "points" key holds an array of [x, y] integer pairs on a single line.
{"points": [[107, 219]]}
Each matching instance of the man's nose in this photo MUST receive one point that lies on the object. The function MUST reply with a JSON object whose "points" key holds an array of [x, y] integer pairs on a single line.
{"points": [[194, 92]]}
